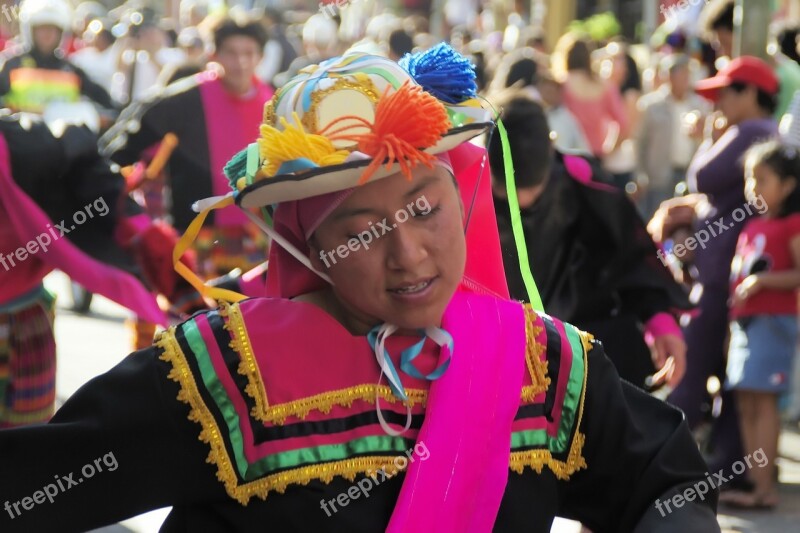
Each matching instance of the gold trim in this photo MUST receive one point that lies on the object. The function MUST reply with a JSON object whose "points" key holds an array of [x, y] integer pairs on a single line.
{"points": [[324, 402], [364, 85], [218, 455], [270, 118], [536, 459], [537, 368], [248, 366]]}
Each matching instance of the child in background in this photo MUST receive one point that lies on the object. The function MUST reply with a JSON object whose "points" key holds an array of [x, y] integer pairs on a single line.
{"points": [[765, 275]]}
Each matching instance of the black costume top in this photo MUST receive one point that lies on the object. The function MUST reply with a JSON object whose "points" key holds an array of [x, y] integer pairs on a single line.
{"points": [[595, 265], [127, 442]]}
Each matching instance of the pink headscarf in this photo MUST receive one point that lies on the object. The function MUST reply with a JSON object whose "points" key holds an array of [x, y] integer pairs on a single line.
{"points": [[296, 221]]}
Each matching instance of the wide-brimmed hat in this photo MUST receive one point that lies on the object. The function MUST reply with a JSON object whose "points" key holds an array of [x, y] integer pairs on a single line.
{"points": [[357, 118]]}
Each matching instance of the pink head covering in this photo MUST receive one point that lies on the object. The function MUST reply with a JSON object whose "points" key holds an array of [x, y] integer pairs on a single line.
{"points": [[297, 220]]}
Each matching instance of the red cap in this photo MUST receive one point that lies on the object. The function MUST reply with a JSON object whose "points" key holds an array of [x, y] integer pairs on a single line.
{"points": [[747, 69]]}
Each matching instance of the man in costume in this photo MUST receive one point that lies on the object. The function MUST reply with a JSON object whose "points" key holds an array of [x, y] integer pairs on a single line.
{"points": [[494, 415], [39, 75], [588, 249], [213, 115]]}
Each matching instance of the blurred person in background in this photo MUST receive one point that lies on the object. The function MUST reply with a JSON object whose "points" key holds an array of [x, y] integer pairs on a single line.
{"points": [[320, 42], [669, 132], [192, 44], [597, 105], [400, 43], [588, 250], [213, 114], [523, 70], [782, 50], [279, 51], [716, 19], [146, 50], [745, 93], [98, 57], [39, 75], [620, 70]]}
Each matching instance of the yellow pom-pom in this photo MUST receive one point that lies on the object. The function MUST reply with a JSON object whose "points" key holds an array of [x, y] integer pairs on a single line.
{"points": [[276, 147]]}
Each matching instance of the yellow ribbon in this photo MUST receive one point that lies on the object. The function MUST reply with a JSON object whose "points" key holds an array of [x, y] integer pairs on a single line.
{"points": [[186, 241]]}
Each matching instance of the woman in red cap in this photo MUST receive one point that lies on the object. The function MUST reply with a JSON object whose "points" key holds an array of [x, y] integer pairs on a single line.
{"points": [[745, 93]]}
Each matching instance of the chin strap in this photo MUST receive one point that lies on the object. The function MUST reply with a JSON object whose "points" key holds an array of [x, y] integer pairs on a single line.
{"points": [[377, 340]]}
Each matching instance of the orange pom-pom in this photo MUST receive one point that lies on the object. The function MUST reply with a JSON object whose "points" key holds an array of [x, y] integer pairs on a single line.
{"points": [[406, 122]]}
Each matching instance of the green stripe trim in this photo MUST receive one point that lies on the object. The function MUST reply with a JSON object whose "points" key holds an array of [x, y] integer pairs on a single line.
{"points": [[380, 444], [572, 397], [214, 387]]}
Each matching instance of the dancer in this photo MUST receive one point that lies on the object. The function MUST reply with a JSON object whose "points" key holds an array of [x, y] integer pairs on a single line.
{"points": [[493, 416]]}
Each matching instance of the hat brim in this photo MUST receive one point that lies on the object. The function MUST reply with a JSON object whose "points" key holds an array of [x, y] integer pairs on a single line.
{"points": [[333, 178], [709, 88]]}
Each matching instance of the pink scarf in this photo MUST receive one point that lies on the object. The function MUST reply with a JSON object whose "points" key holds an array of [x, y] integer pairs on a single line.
{"points": [[28, 221]]}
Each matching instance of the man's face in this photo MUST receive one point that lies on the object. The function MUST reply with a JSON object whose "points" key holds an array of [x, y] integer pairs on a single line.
{"points": [[680, 81], [46, 38], [239, 56]]}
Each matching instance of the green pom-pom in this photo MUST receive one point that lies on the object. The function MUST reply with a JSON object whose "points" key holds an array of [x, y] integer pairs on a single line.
{"points": [[236, 168]]}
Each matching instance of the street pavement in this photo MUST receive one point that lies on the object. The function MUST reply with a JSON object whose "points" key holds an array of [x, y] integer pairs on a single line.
{"points": [[89, 345]]}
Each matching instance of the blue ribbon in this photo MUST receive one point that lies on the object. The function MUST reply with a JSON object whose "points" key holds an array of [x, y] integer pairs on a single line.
{"points": [[407, 357]]}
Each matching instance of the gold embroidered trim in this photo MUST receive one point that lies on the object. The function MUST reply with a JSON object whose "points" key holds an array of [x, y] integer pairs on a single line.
{"points": [[218, 455], [324, 402], [248, 366], [536, 459], [534, 350]]}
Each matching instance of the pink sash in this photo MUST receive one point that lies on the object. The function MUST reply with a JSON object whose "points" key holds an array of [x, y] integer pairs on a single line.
{"points": [[467, 426], [29, 221]]}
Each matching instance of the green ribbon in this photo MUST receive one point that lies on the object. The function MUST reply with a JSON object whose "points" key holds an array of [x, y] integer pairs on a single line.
{"points": [[516, 223]]}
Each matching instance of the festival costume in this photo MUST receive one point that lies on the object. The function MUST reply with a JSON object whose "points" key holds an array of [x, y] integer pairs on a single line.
{"points": [[211, 126], [527, 421], [597, 266], [35, 194]]}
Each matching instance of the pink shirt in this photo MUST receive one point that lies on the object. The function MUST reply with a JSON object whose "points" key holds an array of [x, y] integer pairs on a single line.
{"points": [[596, 116]]}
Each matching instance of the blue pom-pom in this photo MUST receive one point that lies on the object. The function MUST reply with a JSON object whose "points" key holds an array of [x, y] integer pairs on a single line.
{"points": [[443, 72]]}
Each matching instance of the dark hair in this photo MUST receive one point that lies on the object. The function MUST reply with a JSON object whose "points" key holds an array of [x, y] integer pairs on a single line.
{"points": [[723, 19], [785, 162], [529, 138], [633, 80], [579, 57], [787, 40], [522, 70], [766, 101], [401, 43], [229, 27]]}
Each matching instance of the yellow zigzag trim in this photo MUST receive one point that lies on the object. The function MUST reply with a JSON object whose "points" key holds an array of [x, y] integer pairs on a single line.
{"points": [[534, 351], [536, 459], [324, 402], [218, 455]]}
